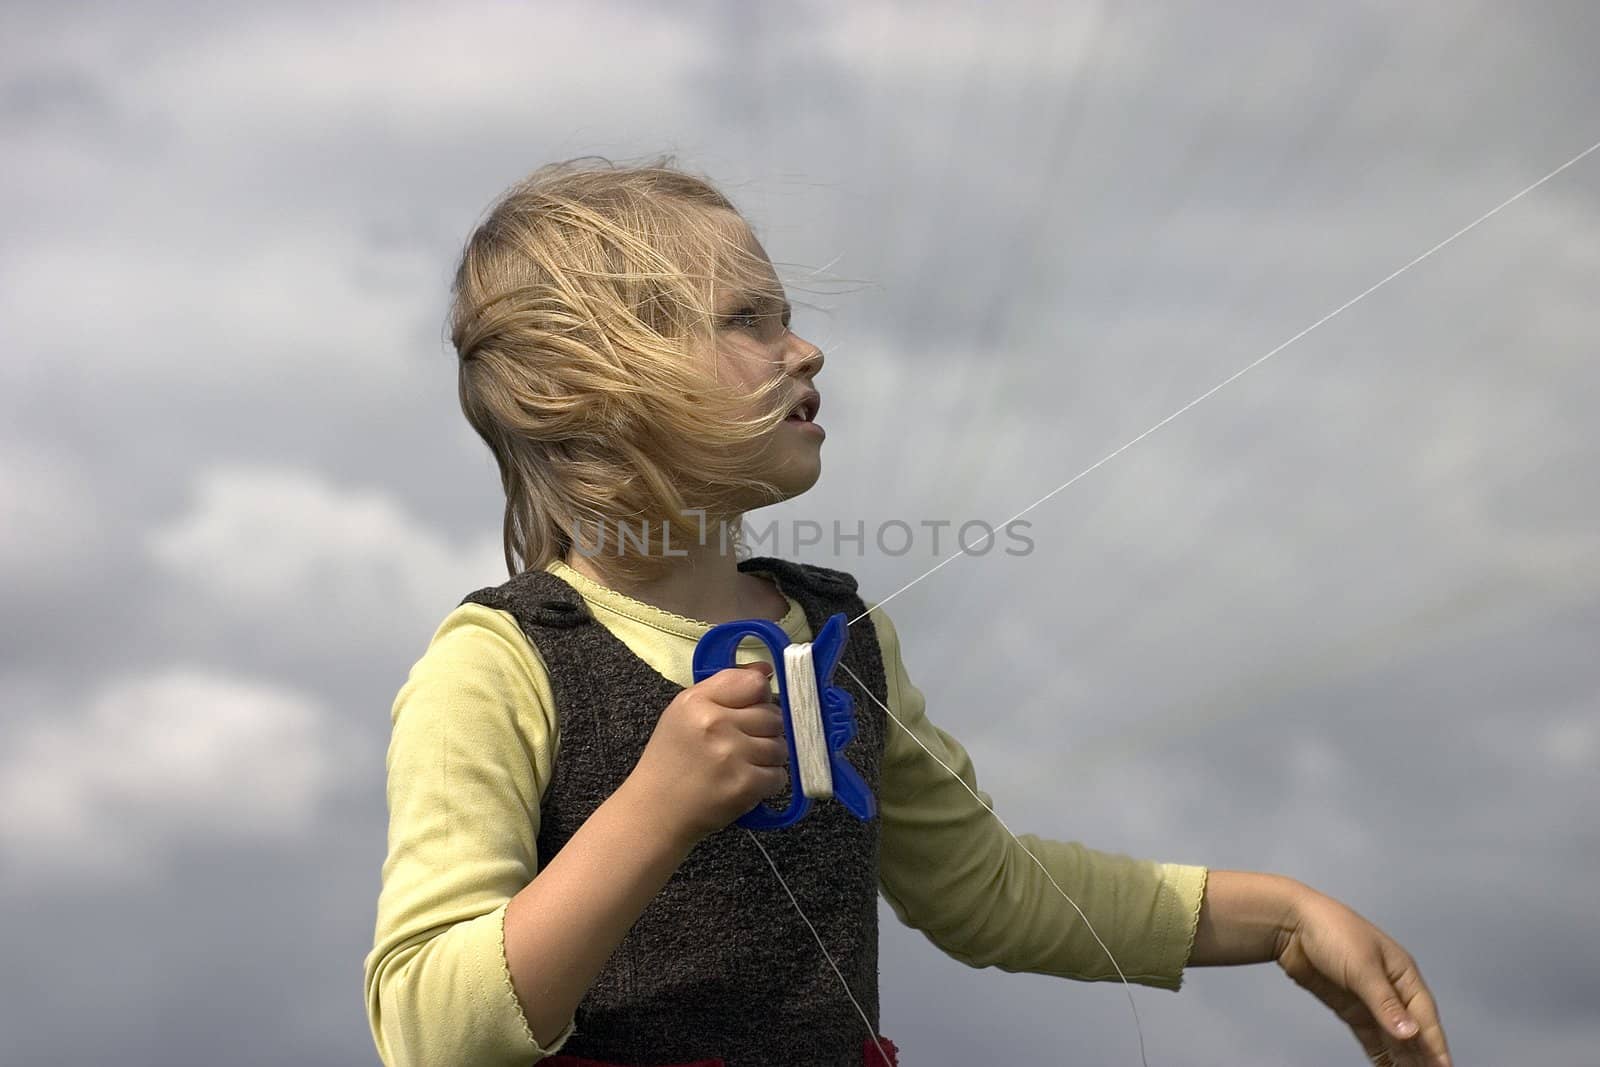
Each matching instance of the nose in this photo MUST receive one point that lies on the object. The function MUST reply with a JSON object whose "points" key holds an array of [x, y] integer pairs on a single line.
{"points": [[805, 358]]}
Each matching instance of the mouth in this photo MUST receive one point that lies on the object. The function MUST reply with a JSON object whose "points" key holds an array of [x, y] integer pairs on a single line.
{"points": [[807, 408]]}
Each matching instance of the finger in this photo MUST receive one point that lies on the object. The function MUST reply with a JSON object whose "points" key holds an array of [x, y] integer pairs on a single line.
{"points": [[1426, 1044], [758, 720], [736, 687], [769, 752], [1363, 1027], [1430, 1042], [1341, 1001], [779, 779], [1377, 992]]}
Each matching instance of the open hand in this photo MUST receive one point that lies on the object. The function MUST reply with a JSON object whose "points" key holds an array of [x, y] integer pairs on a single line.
{"points": [[1367, 979]]}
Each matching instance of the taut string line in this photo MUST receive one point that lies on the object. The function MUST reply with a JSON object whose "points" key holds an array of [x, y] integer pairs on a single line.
{"points": [[1342, 307], [1474, 224]]}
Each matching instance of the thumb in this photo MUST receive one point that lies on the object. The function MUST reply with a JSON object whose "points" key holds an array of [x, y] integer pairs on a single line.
{"points": [[1383, 1000], [760, 665]]}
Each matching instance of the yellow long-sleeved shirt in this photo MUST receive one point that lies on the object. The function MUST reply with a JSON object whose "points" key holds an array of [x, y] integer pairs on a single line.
{"points": [[475, 733]]}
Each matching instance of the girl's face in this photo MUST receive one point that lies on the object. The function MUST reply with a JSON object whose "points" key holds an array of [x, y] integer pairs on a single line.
{"points": [[754, 345]]}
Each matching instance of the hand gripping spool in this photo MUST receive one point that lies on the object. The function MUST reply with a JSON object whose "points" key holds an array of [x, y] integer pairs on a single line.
{"points": [[818, 719]]}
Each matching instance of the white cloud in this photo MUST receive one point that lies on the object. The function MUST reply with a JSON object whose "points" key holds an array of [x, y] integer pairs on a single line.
{"points": [[1573, 743], [156, 759], [207, 258], [288, 545], [1012, 44], [255, 72], [293, 305], [423, 66]]}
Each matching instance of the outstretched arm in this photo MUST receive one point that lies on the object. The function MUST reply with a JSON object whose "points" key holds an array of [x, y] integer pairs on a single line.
{"points": [[1349, 964], [949, 869]]}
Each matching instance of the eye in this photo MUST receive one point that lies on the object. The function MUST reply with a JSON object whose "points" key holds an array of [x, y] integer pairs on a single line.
{"points": [[747, 317], [769, 325]]}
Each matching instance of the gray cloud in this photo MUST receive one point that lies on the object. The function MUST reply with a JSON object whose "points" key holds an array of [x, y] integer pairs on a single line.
{"points": [[1334, 621]]}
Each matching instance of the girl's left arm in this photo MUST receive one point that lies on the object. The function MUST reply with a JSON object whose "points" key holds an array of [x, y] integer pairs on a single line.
{"points": [[950, 869], [1346, 962]]}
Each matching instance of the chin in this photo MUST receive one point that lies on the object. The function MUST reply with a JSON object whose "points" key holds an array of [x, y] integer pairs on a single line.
{"points": [[791, 481], [798, 486]]}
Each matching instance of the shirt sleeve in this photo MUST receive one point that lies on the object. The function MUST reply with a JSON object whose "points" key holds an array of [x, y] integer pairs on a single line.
{"points": [[950, 869], [469, 756]]}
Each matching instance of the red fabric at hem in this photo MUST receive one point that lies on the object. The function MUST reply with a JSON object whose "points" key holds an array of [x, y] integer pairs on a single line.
{"points": [[873, 1057]]}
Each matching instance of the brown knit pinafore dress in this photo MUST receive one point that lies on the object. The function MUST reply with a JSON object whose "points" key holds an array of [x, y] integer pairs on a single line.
{"points": [[719, 969]]}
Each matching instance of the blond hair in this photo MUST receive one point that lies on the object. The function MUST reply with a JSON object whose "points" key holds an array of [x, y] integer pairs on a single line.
{"points": [[582, 315]]}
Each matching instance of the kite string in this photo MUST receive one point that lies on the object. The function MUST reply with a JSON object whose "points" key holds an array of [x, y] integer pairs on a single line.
{"points": [[966, 550], [1112, 455], [990, 809], [872, 1031]]}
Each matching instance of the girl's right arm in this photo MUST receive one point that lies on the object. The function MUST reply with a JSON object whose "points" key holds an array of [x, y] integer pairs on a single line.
{"points": [[717, 750], [479, 956]]}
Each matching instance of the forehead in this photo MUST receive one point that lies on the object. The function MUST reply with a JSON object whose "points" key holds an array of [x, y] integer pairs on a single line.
{"points": [[743, 268]]}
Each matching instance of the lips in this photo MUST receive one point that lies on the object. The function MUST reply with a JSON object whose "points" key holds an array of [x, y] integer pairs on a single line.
{"points": [[805, 410]]}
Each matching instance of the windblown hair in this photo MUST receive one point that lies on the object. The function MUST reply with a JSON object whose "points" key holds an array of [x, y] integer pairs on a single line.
{"points": [[582, 314]]}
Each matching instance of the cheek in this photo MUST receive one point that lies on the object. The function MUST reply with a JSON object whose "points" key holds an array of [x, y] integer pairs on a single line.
{"points": [[745, 370]]}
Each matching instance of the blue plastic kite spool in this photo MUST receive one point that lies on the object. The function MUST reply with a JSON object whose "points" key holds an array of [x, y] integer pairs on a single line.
{"points": [[715, 652]]}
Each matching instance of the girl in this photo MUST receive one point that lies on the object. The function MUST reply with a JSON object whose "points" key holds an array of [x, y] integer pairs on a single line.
{"points": [[563, 879]]}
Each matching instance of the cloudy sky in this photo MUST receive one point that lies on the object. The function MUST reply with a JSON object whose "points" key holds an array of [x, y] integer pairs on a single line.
{"points": [[1337, 620]]}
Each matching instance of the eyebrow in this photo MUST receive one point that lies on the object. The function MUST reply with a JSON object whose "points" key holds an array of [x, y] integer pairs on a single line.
{"points": [[761, 298]]}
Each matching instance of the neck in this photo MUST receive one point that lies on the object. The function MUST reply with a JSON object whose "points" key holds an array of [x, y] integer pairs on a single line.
{"points": [[704, 583]]}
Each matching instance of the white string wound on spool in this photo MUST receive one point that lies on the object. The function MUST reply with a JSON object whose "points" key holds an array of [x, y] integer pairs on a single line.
{"points": [[805, 717]]}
